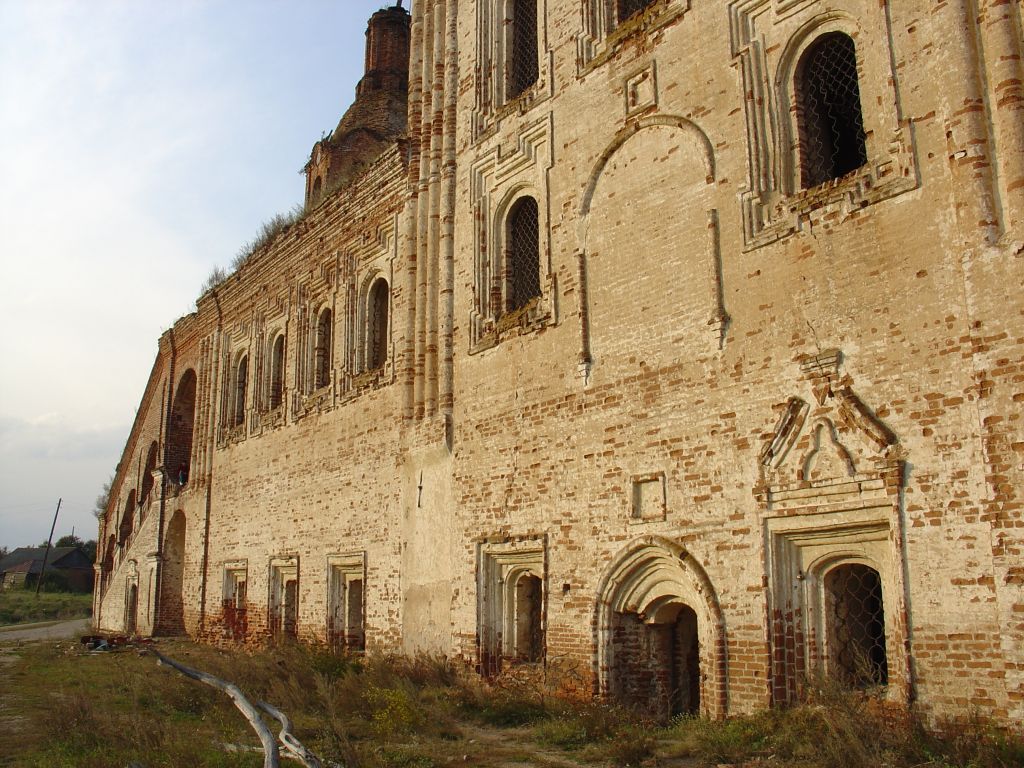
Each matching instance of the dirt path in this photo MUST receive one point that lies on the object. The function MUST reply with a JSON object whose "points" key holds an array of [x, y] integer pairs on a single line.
{"points": [[48, 630]]}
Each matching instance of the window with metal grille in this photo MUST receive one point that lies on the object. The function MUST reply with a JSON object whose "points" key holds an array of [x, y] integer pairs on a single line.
{"points": [[277, 372], [377, 325], [625, 9], [523, 65], [523, 248], [241, 383], [855, 626], [322, 351], [831, 125]]}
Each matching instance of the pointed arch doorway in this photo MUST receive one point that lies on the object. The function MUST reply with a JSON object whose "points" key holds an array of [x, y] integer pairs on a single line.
{"points": [[660, 633]]}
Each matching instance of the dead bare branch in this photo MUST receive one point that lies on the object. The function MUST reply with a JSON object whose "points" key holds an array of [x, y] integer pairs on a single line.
{"points": [[291, 744], [271, 756]]}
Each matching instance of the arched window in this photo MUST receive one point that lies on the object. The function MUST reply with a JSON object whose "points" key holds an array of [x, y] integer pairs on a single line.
{"points": [[178, 457], [124, 531], [377, 310], [277, 372], [625, 9], [830, 123], [523, 66], [322, 351], [318, 185], [147, 474], [855, 626], [241, 384], [522, 273]]}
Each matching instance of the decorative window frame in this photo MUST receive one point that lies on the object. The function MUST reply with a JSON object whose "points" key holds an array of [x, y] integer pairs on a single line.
{"points": [[802, 550], [830, 493], [308, 398], [270, 416], [235, 572], [364, 377], [228, 431], [493, 44], [603, 37], [279, 569], [498, 179], [769, 38], [342, 570], [500, 565]]}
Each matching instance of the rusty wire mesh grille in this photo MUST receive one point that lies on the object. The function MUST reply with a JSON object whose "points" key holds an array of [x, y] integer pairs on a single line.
{"points": [[627, 8], [856, 626], [832, 139], [523, 254], [523, 68]]}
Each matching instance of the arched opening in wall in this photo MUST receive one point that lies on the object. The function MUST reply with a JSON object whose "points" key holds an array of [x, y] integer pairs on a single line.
{"points": [[378, 308], [657, 662], [318, 187], [182, 424], [241, 386], [829, 119], [522, 248], [854, 610], [523, 64], [277, 372], [322, 350], [660, 633], [626, 9], [131, 611], [107, 565], [148, 480], [124, 531], [172, 600], [529, 633]]}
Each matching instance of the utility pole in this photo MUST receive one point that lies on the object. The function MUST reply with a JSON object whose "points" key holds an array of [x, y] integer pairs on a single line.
{"points": [[46, 556]]}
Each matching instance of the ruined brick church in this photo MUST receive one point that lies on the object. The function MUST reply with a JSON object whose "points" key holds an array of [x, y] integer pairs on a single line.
{"points": [[669, 350]]}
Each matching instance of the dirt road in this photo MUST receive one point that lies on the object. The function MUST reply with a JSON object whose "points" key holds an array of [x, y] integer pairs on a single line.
{"points": [[48, 630]]}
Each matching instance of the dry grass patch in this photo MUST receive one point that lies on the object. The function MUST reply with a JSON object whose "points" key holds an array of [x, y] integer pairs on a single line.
{"points": [[118, 708]]}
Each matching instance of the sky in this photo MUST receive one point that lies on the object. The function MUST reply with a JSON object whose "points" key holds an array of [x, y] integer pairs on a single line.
{"points": [[142, 143]]}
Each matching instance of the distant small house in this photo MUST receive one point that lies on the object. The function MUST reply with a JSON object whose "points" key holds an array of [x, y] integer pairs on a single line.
{"points": [[23, 566]]}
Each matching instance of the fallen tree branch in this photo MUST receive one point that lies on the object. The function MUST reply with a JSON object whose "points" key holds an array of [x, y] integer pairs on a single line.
{"points": [[292, 745], [271, 755]]}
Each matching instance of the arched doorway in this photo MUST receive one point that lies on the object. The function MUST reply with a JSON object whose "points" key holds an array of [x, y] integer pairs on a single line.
{"points": [[660, 633], [172, 603]]}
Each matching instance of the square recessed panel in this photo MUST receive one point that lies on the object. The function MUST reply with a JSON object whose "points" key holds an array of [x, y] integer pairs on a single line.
{"points": [[648, 497], [641, 91]]}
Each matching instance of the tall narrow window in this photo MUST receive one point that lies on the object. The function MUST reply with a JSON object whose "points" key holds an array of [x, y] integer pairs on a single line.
{"points": [[625, 9], [831, 126], [241, 384], [277, 372], [322, 351], [377, 325], [147, 473], [523, 254], [523, 65]]}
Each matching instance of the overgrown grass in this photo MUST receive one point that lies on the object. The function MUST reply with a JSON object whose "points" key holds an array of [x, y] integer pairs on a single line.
{"points": [[117, 708], [21, 606]]}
